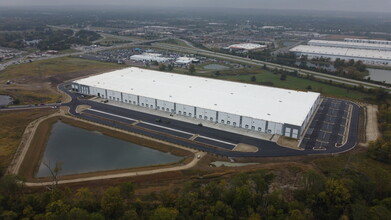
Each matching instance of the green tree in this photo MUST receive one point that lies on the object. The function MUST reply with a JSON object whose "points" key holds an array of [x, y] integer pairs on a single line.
{"points": [[253, 79], [111, 203], [170, 67], [283, 76], [192, 69], [78, 214], [162, 67], [85, 199], [163, 213], [8, 215], [333, 200], [57, 210], [127, 190]]}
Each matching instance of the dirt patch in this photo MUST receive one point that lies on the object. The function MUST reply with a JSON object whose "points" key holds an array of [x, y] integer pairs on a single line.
{"points": [[35, 152], [245, 148], [372, 128], [289, 143]]}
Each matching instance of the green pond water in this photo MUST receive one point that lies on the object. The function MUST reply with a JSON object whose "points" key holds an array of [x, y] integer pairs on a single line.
{"points": [[82, 151]]}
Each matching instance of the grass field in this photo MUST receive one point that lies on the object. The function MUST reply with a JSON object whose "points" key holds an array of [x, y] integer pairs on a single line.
{"points": [[297, 83], [291, 82], [35, 82], [42, 69], [11, 130]]}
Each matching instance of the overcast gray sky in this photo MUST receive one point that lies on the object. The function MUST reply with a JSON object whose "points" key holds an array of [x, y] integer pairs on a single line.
{"points": [[347, 5]]}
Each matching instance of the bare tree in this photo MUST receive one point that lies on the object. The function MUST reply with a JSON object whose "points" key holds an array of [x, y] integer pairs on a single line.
{"points": [[54, 172]]}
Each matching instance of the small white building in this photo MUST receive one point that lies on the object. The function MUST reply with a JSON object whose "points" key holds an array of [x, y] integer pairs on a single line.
{"points": [[247, 46], [186, 60], [150, 57], [246, 106]]}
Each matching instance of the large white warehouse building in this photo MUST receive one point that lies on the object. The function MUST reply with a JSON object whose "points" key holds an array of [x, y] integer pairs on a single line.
{"points": [[258, 108], [372, 57]]}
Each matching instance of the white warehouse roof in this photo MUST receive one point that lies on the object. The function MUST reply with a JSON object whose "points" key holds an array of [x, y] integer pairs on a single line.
{"points": [[343, 52], [259, 102], [349, 44], [247, 46], [185, 60]]}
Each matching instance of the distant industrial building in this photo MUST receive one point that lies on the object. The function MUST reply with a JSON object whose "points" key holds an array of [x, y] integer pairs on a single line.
{"points": [[351, 44], [258, 108], [186, 60], [369, 53], [369, 41], [247, 46], [150, 57]]}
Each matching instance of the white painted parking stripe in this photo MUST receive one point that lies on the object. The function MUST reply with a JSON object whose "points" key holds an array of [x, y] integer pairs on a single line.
{"points": [[159, 126], [119, 116], [171, 129]]}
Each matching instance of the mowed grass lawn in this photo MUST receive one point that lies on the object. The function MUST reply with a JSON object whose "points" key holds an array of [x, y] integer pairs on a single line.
{"points": [[12, 126], [297, 83]]}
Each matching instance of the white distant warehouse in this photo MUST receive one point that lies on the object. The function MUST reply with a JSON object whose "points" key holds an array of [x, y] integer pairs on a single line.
{"points": [[247, 46], [370, 41], [373, 54], [186, 60], [150, 57], [351, 44], [258, 108]]}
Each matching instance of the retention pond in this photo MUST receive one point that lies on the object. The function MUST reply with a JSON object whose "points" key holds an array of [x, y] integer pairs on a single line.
{"points": [[82, 151], [5, 100]]}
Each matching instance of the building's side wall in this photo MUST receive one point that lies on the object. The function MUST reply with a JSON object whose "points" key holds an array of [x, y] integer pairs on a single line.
{"points": [[256, 125], [229, 119], [129, 98], [185, 110], [206, 114], [165, 106]]}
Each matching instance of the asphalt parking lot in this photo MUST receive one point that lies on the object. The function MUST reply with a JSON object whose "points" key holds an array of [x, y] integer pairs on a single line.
{"points": [[327, 129]]}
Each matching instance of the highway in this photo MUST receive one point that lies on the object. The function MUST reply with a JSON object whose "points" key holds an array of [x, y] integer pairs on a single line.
{"points": [[259, 63], [210, 140]]}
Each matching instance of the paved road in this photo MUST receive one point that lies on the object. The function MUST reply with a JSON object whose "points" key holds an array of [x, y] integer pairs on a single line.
{"points": [[114, 116], [196, 158]]}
